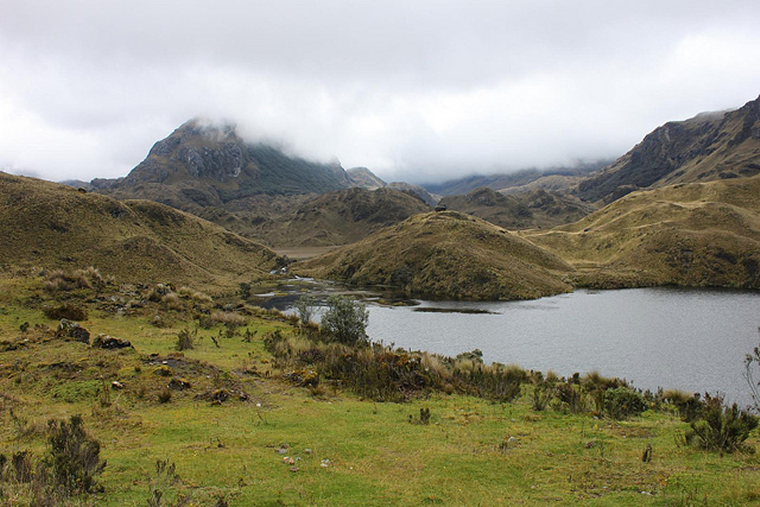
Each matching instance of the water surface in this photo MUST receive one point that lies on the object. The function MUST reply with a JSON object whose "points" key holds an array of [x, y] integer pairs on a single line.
{"points": [[694, 340]]}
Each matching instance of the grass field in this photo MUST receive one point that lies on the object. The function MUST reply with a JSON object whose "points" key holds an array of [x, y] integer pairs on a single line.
{"points": [[345, 450]]}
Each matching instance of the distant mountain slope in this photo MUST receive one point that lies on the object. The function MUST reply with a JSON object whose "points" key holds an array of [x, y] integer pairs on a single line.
{"points": [[446, 255], [532, 209], [709, 146], [505, 181], [341, 217], [364, 178], [208, 165], [698, 234], [51, 225]]}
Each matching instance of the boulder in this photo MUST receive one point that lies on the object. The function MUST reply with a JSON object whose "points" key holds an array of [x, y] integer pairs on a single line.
{"points": [[71, 329]]}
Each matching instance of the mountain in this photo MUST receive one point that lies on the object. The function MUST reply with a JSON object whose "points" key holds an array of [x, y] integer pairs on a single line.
{"points": [[707, 147], [340, 217], [51, 225], [209, 165], [506, 181], [446, 255], [531, 209], [697, 235]]}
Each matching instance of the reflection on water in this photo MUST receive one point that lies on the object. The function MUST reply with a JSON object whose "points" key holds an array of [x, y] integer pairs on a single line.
{"points": [[693, 340]]}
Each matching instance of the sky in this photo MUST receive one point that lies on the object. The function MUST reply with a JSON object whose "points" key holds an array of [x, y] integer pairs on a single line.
{"points": [[416, 90]]}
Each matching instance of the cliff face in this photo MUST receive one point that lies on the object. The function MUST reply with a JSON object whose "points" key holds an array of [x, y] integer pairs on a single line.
{"points": [[709, 146]]}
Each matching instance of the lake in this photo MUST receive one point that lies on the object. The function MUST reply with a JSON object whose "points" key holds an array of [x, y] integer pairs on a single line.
{"points": [[694, 340]]}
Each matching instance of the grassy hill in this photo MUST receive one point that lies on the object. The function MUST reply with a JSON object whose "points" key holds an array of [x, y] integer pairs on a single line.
{"points": [[698, 234], [50, 225], [710, 146], [525, 210], [446, 255], [341, 217]]}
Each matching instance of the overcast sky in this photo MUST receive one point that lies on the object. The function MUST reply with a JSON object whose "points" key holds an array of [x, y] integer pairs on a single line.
{"points": [[415, 90]]}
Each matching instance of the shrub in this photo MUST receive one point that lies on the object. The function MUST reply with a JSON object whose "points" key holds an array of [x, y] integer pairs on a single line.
{"points": [[80, 279], [305, 308], [164, 396], [752, 363], [722, 428], [544, 390], [232, 320], [623, 402], [345, 320], [688, 405], [185, 340], [74, 457], [569, 395], [66, 311]]}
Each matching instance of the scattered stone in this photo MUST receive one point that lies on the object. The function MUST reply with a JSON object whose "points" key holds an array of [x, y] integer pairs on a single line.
{"points": [[104, 341], [325, 463], [308, 451], [179, 384], [71, 329], [117, 385]]}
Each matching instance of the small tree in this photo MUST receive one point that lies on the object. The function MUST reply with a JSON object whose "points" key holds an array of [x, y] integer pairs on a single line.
{"points": [[346, 320], [305, 307]]}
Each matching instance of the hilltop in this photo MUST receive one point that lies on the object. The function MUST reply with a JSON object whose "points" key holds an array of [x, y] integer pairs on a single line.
{"points": [[697, 235], [524, 210], [709, 146], [446, 255], [50, 225]]}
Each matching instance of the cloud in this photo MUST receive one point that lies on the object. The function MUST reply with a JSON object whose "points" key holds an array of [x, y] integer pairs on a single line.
{"points": [[419, 91]]}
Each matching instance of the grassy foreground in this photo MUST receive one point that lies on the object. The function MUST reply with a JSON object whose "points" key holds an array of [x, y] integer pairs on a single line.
{"points": [[345, 450]]}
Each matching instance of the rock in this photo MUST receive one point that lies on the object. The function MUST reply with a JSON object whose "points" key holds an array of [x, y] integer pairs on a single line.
{"points": [[71, 329], [325, 463], [117, 385], [104, 341], [308, 451], [179, 384]]}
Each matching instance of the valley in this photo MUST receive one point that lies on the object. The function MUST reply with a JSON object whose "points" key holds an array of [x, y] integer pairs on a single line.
{"points": [[142, 308]]}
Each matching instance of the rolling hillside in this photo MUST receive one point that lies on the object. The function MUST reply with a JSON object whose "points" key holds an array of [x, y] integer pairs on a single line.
{"points": [[50, 225], [525, 210], [698, 235]]}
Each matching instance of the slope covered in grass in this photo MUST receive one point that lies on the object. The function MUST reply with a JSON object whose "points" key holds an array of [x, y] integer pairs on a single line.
{"points": [[699, 235], [530, 209], [49, 225], [446, 255]]}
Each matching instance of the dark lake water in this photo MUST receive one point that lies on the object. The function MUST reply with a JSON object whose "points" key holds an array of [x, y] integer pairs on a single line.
{"points": [[694, 340]]}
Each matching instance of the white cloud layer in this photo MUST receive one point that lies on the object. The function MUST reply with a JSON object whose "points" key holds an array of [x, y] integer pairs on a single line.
{"points": [[418, 90]]}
